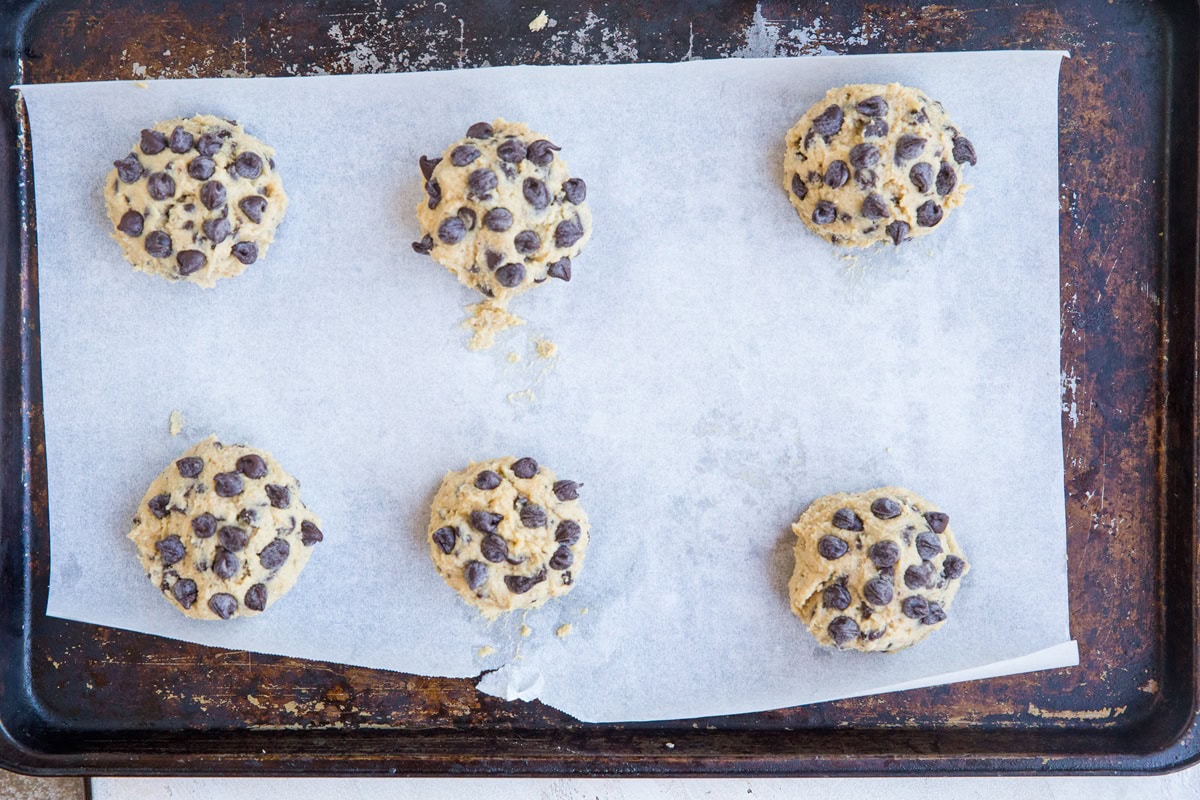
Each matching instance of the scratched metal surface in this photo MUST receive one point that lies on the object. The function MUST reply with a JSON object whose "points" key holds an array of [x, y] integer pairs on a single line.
{"points": [[101, 700]]}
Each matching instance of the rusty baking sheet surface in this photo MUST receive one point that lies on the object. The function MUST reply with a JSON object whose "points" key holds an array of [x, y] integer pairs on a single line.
{"points": [[84, 699]]}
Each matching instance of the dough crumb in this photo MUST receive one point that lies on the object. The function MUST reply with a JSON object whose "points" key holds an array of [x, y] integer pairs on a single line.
{"points": [[488, 319], [540, 21], [546, 348], [564, 630], [514, 357], [524, 394], [583, 610], [670, 745], [1149, 687], [141, 84], [486, 651], [526, 630], [175, 423]]}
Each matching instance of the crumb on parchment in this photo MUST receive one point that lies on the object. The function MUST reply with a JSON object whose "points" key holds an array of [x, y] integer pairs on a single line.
{"points": [[175, 423], [564, 630], [540, 21], [486, 651], [488, 319], [526, 630], [546, 348], [141, 84], [513, 357]]}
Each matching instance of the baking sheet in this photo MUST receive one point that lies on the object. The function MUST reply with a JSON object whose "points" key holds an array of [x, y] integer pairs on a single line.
{"points": [[719, 368]]}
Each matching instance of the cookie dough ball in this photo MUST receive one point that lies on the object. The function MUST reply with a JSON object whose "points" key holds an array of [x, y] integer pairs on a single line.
{"points": [[506, 534], [196, 200], [875, 570], [223, 531], [873, 163], [502, 212]]}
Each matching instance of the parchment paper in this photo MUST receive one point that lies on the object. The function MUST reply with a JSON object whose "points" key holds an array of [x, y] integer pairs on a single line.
{"points": [[719, 368]]}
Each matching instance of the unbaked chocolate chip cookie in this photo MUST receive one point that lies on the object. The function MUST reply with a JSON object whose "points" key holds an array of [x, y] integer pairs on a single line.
{"points": [[196, 200], [875, 570], [223, 531], [506, 534], [502, 212], [873, 163]]}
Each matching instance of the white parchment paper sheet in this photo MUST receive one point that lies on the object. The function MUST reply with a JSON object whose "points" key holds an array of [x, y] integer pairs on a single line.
{"points": [[719, 368]]}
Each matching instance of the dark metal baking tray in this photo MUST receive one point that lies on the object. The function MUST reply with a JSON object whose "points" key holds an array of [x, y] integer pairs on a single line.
{"points": [[76, 698]]}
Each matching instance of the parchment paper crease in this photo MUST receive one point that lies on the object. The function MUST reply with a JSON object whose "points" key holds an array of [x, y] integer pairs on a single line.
{"points": [[719, 368]]}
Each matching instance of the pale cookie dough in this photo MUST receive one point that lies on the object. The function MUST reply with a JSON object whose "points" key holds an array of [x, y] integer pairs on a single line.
{"points": [[872, 163], [223, 531], [502, 212], [875, 570], [196, 200], [506, 534]]}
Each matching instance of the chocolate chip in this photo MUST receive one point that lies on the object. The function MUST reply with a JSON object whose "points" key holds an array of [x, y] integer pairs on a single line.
{"points": [[964, 151], [915, 607], [170, 550], [836, 597], [225, 564], [947, 179], [129, 169], [928, 545], [131, 224], [204, 525], [445, 538], [512, 151], [476, 574], [274, 554], [829, 121], [568, 532], [210, 143], [247, 516], [256, 597], [185, 592], [245, 252], [874, 106], [919, 577], [487, 480], [536, 193], [482, 181], [843, 629], [180, 140], [953, 567], [498, 220], [520, 584], [228, 484], [190, 466], [836, 174], [874, 207], [485, 521], [533, 516], [434, 190], [493, 547], [527, 242], [425, 246], [248, 165], [908, 147], [427, 165], [898, 230], [158, 505], [280, 496], [824, 213], [190, 261], [885, 508], [463, 154], [937, 521], [863, 156], [153, 142], [884, 554], [253, 207], [832, 547], [566, 490], [252, 466], [566, 578], [212, 194], [452, 230], [217, 230], [877, 128], [310, 534], [568, 233], [929, 214], [480, 130], [223, 605], [510, 275], [201, 168], [541, 152], [560, 269], [878, 591], [575, 190], [562, 558], [847, 520], [232, 538], [467, 215], [936, 614], [799, 188], [525, 468], [921, 176]]}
